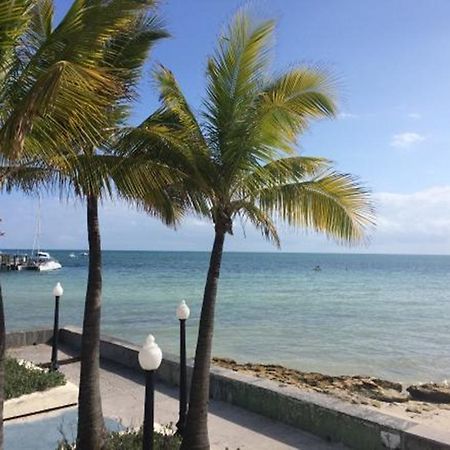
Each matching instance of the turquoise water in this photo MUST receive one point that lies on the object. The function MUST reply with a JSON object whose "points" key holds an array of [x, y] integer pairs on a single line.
{"points": [[368, 314]]}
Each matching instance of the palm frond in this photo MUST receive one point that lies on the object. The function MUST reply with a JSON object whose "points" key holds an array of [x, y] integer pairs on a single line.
{"points": [[259, 219], [289, 103], [279, 171], [331, 203], [15, 19], [129, 47], [234, 76], [24, 177], [69, 94], [41, 23], [68, 100], [175, 105]]}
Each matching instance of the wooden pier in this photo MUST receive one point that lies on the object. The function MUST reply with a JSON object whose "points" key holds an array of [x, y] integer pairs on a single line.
{"points": [[13, 261]]}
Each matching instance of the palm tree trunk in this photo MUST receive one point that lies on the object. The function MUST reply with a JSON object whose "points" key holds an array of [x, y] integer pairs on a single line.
{"points": [[2, 365], [196, 431], [90, 417]]}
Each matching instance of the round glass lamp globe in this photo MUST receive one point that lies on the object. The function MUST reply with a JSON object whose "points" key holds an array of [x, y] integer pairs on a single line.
{"points": [[58, 290], [150, 355], [183, 311]]}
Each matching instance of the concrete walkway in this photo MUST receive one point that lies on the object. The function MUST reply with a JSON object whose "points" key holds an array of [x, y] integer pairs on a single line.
{"points": [[123, 398]]}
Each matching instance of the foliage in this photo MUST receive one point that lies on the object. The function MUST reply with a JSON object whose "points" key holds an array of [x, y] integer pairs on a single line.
{"points": [[21, 379], [239, 155], [66, 90], [132, 440], [51, 89]]}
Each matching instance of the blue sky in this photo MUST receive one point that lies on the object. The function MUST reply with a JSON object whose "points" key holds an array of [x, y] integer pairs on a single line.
{"points": [[392, 58]]}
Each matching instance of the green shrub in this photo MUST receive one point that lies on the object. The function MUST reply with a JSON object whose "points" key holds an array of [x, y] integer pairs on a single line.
{"points": [[25, 379], [132, 440]]}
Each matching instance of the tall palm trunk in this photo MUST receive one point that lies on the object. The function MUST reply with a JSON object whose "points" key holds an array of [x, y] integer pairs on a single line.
{"points": [[90, 416], [2, 365], [196, 432]]}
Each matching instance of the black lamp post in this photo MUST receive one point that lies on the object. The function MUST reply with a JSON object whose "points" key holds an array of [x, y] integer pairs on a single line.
{"points": [[183, 313], [58, 291], [150, 358]]}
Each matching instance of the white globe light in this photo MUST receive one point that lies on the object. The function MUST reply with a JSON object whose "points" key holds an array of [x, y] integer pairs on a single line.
{"points": [[58, 290], [183, 311], [150, 355]]}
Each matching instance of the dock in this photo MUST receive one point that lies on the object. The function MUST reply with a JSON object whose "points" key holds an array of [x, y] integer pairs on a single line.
{"points": [[12, 261]]}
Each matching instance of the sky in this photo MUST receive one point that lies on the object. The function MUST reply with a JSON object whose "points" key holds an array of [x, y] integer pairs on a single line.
{"points": [[392, 60]]}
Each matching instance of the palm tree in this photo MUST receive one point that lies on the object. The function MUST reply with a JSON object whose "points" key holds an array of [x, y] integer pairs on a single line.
{"points": [[62, 91], [49, 93], [240, 161], [96, 172]]}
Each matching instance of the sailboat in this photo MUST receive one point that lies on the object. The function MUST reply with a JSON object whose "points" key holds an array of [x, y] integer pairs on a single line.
{"points": [[40, 261]]}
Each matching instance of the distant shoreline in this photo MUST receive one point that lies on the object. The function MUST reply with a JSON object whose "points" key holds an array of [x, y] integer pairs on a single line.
{"points": [[275, 252]]}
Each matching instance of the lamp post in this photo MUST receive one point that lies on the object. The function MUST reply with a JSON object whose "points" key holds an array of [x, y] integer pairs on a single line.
{"points": [[183, 313], [58, 291], [150, 357]]}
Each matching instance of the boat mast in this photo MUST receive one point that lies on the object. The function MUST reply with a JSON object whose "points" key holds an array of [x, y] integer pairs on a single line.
{"points": [[37, 236]]}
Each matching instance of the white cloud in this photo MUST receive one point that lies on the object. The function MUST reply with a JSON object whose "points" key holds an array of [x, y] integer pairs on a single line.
{"points": [[347, 115], [418, 222], [406, 139], [414, 115]]}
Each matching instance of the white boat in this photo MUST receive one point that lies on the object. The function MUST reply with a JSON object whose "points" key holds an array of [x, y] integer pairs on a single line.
{"points": [[72, 255], [42, 262]]}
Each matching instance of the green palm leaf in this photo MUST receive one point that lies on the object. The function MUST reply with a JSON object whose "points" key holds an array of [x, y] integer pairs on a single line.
{"points": [[331, 203], [259, 219], [288, 104]]}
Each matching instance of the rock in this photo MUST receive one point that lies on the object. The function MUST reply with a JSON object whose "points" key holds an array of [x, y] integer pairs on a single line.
{"points": [[414, 409], [430, 392], [386, 384], [377, 389], [389, 396], [364, 389]]}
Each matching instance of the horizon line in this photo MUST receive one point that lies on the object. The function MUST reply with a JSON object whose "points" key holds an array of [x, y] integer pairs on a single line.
{"points": [[233, 251]]}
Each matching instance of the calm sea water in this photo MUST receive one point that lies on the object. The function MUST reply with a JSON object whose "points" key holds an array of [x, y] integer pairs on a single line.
{"points": [[361, 314]]}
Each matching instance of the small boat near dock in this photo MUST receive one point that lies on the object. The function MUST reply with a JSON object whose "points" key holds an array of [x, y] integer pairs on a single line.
{"points": [[42, 262], [38, 262]]}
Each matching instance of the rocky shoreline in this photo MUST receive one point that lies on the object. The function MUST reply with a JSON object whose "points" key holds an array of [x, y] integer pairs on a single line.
{"points": [[356, 389]]}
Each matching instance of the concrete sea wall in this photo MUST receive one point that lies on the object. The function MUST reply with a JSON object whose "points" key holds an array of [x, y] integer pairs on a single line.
{"points": [[322, 415]]}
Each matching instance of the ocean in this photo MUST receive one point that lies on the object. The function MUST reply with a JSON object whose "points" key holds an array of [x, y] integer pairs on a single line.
{"points": [[381, 315]]}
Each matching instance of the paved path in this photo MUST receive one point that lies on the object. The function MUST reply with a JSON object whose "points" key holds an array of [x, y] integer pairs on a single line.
{"points": [[123, 396]]}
